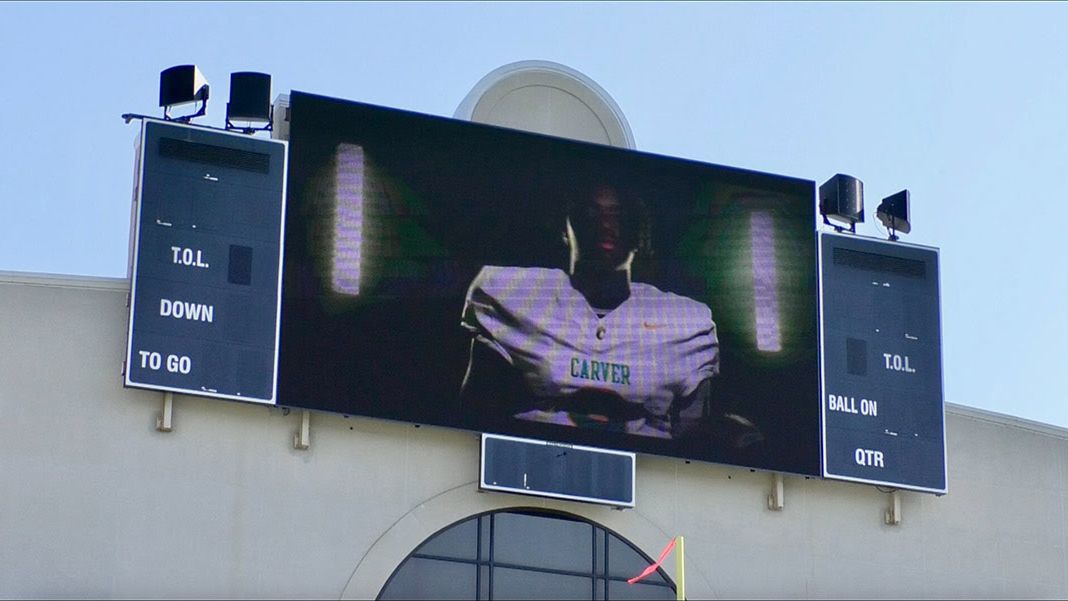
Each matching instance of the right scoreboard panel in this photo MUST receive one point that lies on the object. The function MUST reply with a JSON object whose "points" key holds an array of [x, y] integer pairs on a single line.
{"points": [[883, 413]]}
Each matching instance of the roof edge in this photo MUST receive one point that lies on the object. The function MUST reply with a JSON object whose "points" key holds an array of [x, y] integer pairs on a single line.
{"points": [[57, 280], [1005, 419]]}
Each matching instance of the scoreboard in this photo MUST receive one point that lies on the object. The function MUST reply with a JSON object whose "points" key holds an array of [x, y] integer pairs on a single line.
{"points": [[206, 279], [882, 393]]}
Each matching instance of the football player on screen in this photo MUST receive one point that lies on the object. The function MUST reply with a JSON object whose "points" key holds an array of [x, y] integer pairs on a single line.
{"points": [[589, 347]]}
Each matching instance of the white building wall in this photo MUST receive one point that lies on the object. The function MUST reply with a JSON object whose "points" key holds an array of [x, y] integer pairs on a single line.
{"points": [[95, 502]]}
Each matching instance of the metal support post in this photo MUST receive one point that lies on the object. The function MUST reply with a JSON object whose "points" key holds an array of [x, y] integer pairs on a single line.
{"points": [[302, 439], [776, 500], [163, 420], [893, 512]]}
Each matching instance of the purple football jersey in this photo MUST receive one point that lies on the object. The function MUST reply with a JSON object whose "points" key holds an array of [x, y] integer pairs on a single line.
{"points": [[654, 348]]}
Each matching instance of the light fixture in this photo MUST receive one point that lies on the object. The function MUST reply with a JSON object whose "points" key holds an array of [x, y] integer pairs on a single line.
{"points": [[180, 85], [250, 101], [842, 199], [893, 211]]}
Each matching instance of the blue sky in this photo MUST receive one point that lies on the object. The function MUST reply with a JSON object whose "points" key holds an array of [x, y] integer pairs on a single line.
{"points": [[966, 105]]}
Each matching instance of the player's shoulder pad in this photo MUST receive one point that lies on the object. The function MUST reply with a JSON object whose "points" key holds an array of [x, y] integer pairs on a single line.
{"points": [[670, 302], [501, 281]]}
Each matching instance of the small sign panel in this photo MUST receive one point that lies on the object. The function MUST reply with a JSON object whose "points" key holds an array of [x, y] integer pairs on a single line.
{"points": [[206, 284], [559, 471], [883, 412]]}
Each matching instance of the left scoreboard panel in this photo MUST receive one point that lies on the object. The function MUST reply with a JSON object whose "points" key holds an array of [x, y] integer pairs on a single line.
{"points": [[206, 281]]}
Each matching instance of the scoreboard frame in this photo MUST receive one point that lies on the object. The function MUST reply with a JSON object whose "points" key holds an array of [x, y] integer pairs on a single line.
{"points": [[823, 366], [134, 263]]}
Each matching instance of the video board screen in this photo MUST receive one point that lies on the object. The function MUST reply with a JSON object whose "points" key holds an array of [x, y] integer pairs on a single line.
{"points": [[457, 274]]}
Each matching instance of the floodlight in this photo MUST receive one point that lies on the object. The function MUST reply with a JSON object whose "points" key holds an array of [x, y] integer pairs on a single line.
{"points": [[893, 211], [179, 85], [842, 199], [250, 101]]}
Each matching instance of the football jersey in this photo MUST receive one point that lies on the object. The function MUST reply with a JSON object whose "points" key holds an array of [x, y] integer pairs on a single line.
{"points": [[652, 349]]}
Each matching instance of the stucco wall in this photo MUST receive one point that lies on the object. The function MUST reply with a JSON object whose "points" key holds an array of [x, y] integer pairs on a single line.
{"points": [[95, 502]]}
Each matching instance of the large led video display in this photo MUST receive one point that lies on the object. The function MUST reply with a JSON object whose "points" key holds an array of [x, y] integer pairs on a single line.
{"points": [[457, 274]]}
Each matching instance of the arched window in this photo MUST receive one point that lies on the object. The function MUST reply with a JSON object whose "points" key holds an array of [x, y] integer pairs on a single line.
{"points": [[525, 554]]}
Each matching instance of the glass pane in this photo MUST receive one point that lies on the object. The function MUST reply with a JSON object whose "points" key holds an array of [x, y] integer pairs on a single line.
{"points": [[523, 584], [484, 540], [600, 550], [625, 562], [543, 542], [621, 590], [431, 579], [459, 541], [598, 591], [484, 587]]}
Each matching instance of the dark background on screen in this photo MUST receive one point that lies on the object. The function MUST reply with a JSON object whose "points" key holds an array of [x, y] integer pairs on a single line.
{"points": [[467, 195]]}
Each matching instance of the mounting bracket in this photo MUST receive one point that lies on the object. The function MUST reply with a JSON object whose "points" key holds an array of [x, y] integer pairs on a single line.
{"points": [[164, 419], [892, 517], [777, 499], [302, 439]]}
